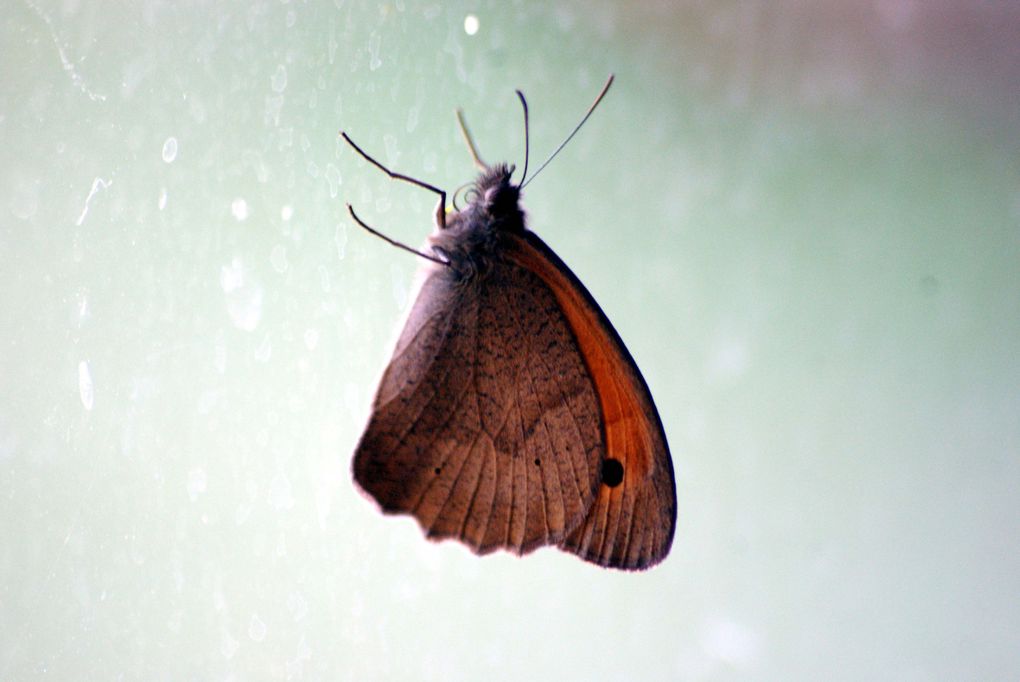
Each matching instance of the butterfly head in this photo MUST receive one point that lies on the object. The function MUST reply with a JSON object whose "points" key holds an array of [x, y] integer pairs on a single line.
{"points": [[495, 201], [474, 234], [493, 205]]}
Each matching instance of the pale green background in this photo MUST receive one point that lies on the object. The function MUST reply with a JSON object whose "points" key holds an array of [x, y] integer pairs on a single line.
{"points": [[803, 218]]}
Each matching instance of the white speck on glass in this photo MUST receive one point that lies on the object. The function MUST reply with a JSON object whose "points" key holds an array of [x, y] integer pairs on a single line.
{"points": [[232, 276], [280, 496], [244, 299], [392, 153], [256, 628], [471, 24], [278, 258], [279, 79], [274, 105], [374, 41], [729, 359], [197, 483], [242, 512], [229, 645], [334, 180], [295, 666], [97, 184], [285, 139], [324, 280], [265, 350], [311, 338], [332, 44], [731, 642], [239, 209], [287, 212], [340, 239], [170, 149], [85, 388], [297, 605]]}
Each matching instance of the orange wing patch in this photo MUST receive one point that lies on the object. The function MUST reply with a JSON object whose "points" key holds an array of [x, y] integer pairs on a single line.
{"points": [[631, 523]]}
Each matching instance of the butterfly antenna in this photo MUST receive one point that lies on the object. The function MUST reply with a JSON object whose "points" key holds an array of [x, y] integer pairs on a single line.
{"points": [[605, 89], [479, 164], [527, 145]]}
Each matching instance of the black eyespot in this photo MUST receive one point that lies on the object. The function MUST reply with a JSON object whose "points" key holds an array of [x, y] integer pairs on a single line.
{"points": [[438, 470], [612, 472], [538, 462]]}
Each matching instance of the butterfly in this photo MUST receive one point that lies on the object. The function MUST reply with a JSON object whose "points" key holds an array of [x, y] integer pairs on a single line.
{"points": [[511, 416]]}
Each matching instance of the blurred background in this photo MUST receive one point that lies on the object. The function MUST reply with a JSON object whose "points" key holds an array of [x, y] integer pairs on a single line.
{"points": [[803, 218]]}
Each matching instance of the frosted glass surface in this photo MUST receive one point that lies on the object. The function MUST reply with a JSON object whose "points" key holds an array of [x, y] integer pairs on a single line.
{"points": [[803, 218]]}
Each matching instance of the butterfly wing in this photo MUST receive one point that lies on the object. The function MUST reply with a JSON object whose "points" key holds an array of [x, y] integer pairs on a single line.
{"points": [[485, 426], [632, 521]]}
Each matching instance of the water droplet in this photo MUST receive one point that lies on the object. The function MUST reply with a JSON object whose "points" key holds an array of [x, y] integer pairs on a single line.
{"points": [[83, 308], [280, 496], [265, 350], [334, 180], [274, 105], [730, 358], [162, 198], [232, 276], [244, 299], [340, 239], [242, 513], [471, 24], [245, 308], [256, 628], [297, 605], [278, 258], [287, 212], [220, 352], [170, 149], [392, 153], [229, 646], [295, 666], [731, 642], [239, 209], [279, 80], [311, 338], [207, 402], [197, 482], [373, 50], [85, 387]]}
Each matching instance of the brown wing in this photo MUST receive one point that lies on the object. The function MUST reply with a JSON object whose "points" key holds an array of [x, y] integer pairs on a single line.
{"points": [[632, 522], [486, 424]]}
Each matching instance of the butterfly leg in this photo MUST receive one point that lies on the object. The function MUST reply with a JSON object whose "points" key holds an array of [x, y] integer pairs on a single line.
{"points": [[440, 211]]}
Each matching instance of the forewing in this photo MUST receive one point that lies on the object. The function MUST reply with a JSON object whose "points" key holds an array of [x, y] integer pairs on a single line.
{"points": [[485, 426]]}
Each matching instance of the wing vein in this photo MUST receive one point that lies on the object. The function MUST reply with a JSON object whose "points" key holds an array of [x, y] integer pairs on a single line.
{"points": [[564, 400]]}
